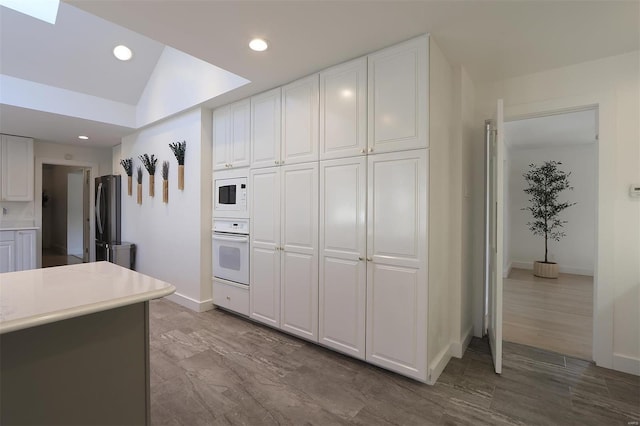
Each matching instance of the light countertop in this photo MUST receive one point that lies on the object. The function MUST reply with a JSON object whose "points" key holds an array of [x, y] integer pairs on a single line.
{"points": [[18, 228], [41, 296]]}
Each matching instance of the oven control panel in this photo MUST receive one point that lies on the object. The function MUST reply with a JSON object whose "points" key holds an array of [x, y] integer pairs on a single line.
{"points": [[231, 226]]}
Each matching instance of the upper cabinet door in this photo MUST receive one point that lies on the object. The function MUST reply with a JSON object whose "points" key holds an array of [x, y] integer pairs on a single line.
{"points": [[343, 110], [265, 129], [239, 134], [16, 166], [300, 121], [220, 138], [398, 97]]}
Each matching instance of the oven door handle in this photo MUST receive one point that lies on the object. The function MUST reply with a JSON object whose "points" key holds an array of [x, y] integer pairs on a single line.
{"points": [[229, 238]]}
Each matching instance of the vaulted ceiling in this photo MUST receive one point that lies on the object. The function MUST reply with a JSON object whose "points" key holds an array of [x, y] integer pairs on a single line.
{"points": [[492, 39]]}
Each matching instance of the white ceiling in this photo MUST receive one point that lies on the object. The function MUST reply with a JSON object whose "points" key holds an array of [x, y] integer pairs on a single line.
{"points": [[572, 128], [492, 39]]}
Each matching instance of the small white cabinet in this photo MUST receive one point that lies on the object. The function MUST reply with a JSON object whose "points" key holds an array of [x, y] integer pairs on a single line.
{"points": [[16, 168], [284, 250], [300, 121], [398, 116], [343, 239], [231, 135], [343, 110], [17, 250], [265, 129], [231, 296]]}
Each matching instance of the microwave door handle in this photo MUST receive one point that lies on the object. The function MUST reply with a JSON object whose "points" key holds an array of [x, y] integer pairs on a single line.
{"points": [[229, 238]]}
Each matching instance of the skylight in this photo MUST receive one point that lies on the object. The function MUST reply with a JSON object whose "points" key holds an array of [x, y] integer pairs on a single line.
{"points": [[45, 10]]}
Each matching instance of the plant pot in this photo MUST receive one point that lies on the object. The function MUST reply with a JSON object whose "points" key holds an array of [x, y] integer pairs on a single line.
{"points": [[152, 181], [181, 176], [545, 270], [165, 191], [129, 185], [139, 193]]}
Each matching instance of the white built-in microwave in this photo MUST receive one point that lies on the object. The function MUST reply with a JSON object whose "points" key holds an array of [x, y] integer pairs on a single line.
{"points": [[230, 196]]}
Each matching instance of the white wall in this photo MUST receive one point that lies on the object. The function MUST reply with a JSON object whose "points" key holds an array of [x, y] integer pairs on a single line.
{"points": [[574, 253], [173, 243], [613, 84]]}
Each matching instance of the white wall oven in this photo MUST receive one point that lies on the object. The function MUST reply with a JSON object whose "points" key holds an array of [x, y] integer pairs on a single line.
{"points": [[230, 195], [230, 243]]}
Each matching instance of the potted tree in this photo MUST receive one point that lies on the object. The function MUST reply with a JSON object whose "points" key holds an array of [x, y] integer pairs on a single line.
{"points": [[546, 182]]}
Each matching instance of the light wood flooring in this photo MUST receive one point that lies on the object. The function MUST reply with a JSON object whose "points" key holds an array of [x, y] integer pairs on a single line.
{"points": [[51, 257], [553, 314], [215, 368]]}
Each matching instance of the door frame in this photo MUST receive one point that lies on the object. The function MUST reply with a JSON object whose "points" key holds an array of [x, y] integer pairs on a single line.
{"points": [[39, 162], [603, 279]]}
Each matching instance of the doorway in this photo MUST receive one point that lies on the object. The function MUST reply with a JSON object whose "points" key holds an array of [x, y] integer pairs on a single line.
{"points": [[64, 214], [551, 314]]}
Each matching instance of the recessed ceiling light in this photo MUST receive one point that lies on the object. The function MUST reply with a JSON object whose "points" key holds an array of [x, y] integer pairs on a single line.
{"points": [[258, 45], [122, 52], [83, 137]]}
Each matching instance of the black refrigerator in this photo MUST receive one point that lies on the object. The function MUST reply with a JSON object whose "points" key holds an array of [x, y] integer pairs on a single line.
{"points": [[109, 245]]}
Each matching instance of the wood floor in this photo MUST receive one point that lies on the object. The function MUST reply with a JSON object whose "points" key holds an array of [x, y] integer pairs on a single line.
{"points": [[214, 368], [553, 314], [51, 257]]}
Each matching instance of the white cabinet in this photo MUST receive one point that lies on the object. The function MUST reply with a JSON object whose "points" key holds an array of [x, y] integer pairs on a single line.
{"points": [[343, 238], [231, 135], [284, 250], [299, 284], [16, 168], [265, 129], [398, 117], [7, 251], [300, 121], [397, 262], [17, 250], [231, 296], [264, 259], [25, 250], [343, 110]]}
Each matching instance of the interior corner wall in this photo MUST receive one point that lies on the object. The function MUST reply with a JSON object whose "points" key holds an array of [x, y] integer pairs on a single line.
{"points": [[442, 269], [616, 81], [169, 237], [206, 180]]}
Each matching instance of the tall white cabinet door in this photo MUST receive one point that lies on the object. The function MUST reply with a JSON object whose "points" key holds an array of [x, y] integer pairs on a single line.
{"points": [[264, 289], [7, 252], [265, 129], [299, 291], [17, 168], [397, 262], [239, 134], [25, 250], [220, 138], [343, 110], [342, 287], [398, 97], [300, 121]]}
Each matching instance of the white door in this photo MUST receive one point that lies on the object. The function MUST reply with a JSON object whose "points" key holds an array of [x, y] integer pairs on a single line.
{"points": [[265, 246], [343, 239], [239, 134], [397, 262], [495, 170], [17, 168], [299, 285], [7, 253], [265, 129], [397, 97], [25, 250], [220, 138], [300, 106], [343, 110]]}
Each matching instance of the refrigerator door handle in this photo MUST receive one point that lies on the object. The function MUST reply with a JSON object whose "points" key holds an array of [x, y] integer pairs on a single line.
{"points": [[98, 198]]}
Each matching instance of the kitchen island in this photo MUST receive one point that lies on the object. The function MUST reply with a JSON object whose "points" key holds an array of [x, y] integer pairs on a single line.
{"points": [[74, 345]]}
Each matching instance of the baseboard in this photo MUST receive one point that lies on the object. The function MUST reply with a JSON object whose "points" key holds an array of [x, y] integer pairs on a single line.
{"points": [[626, 364], [563, 268], [437, 366], [187, 302], [458, 348]]}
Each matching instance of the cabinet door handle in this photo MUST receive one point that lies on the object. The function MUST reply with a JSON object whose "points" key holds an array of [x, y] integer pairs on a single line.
{"points": [[228, 297], [369, 259], [277, 162], [361, 258], [371, 149], [362, 151]]}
